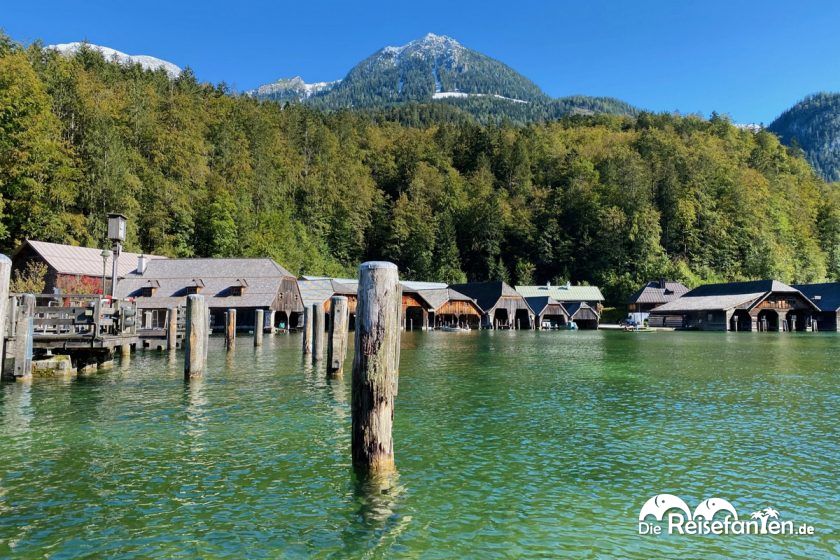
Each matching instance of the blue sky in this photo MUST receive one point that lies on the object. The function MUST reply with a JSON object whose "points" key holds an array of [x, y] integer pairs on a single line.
{"points": [[750, 60]]}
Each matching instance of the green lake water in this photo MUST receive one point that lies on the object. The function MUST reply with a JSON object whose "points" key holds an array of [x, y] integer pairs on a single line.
{"points": [[508, 445]]}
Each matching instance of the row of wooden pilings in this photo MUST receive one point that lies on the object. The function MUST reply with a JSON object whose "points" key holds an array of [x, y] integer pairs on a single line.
{"points": [[375, 364]]}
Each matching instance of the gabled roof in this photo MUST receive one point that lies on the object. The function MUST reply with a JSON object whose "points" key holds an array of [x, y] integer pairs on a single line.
{"points": [[437, 297], [563, 293], [263, 277], [725, 296], [317, 290], [83, 261], [658, 291], [486, 294], [415, 286], [234, 269], [538, 304], [826, 296], [580, 307]]}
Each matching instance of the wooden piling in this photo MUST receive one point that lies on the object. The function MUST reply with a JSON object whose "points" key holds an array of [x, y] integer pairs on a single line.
{"points": [[24, 323], [307, 331], [230, 329], [5, 280], [172, 329], [195, 341], [375, 367], [259, 327], [319, 330], [337, 344]]}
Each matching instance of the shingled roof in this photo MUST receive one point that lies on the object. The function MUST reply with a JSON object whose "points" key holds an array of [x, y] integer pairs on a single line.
{"points": [[725, 296], [658, 291], [83, 261], [563, 293], [261, 278], [539, 303], [826, 296], [437, 297], [318, 289], [486, 294]]}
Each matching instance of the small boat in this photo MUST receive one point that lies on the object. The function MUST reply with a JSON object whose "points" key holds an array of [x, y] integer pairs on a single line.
{"points": [[448, 328]]}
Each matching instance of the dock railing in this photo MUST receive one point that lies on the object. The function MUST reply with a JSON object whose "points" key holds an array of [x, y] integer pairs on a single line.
{"points": [[78, 318]]}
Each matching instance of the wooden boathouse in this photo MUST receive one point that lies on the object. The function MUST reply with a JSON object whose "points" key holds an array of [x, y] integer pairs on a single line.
{"points": [[446, 307], [245, 285], [652, 295], [75, 270], [583, 304], [318, 290], [826, 296], [549, 312], [759, 305], [502, 306]]}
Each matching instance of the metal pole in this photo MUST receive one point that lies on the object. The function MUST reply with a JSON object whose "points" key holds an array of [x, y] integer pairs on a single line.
{"points": [[116, 257]]}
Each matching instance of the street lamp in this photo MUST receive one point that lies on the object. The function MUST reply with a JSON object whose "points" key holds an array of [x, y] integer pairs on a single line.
{"points": [[104, 254], [116, 233]]}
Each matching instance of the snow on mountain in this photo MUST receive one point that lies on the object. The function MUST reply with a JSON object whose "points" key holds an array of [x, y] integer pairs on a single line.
{"points": [[752, 127], [148, 62], [291, 88], [456, 94], [429, 45]]}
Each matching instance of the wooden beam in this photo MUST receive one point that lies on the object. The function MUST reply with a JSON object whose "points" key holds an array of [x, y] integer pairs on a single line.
{"points": [[259, 327], [195, 342], [375, 367], [339, 324]]}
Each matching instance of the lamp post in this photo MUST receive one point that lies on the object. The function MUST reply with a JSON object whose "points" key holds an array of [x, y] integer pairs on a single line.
{"points": [[116, 233], [104, 254]]}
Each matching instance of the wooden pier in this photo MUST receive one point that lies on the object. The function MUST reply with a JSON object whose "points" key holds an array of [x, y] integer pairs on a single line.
{"points": [[86, 327]]}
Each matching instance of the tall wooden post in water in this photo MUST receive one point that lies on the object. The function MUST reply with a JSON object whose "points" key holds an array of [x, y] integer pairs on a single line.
{"points": [[230, 329], [337, 345], [23, 336], [307, 331], [259, 326], [196, 339], [319, 329], [375, 367], [5, 280], [172, 329]]}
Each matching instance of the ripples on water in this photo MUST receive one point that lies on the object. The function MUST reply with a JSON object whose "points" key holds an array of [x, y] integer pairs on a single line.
{"points": [[508, 445]]}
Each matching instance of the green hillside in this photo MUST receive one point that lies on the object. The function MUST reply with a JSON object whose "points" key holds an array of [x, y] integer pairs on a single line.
{"points": [[605, 199]]}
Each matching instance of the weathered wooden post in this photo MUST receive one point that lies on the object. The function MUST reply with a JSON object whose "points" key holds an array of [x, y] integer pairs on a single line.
{"points": [[5, 280], [375, 367], [307, 331], [172, 329], [230, 329], [259, 326], [24, 323], [319, 329], [271, 315], [195, 341], [337, 347]]}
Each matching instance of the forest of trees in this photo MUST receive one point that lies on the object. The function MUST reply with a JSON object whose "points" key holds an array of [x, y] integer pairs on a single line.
{"points": [[813, 125], [604, 199]]}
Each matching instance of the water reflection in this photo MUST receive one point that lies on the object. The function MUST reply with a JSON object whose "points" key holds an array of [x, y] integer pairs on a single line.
{"points": [[17, 407], [377, 522], [196, 412]]}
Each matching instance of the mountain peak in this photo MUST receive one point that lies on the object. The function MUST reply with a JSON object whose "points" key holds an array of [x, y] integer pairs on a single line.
{"points": [[435, 69], [429, 43]]}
